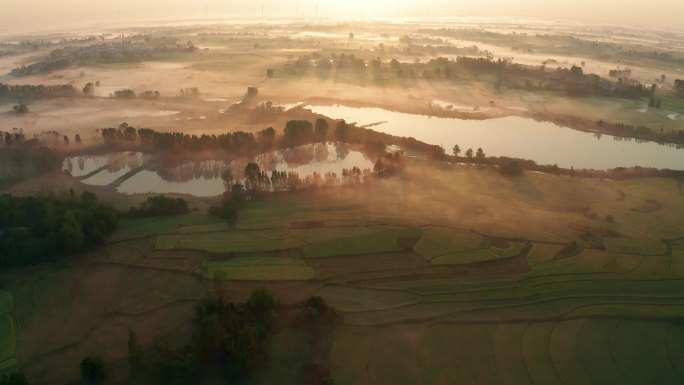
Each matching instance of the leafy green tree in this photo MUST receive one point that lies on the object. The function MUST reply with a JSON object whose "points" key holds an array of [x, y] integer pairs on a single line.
{"points": [[262, 305], [480, 154], [136, 355], [456, 150], [94, 370], [469, 153], [71, 234], [16, 377]]}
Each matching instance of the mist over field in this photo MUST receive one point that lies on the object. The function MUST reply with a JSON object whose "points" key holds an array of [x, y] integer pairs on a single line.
{"points": [[341, 192]]}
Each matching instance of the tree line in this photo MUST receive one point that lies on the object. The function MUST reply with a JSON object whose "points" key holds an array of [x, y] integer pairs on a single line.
{"points": [[38, 229], [29, 91], [159, 205], [241, 143], [229, 343]]}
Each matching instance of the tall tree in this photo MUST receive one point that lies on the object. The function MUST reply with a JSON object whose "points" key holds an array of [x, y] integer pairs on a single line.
{"points": [[136, 355], [321, 130], [94, 370]]}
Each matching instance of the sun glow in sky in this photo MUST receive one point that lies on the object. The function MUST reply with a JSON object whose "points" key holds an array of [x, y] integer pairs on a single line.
{"points": [[23, 14]]}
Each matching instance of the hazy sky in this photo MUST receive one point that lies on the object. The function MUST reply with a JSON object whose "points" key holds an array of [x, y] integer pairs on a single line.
{"points": [[22, 14]]}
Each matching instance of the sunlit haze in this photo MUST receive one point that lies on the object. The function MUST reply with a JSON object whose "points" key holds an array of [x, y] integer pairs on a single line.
{"points": [[41, 14], [352, 192]]}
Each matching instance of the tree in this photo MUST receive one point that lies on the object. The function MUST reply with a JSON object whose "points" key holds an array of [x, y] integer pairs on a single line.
{"points": [[321, 130], [89, 89], [94, 369], [298, 132], [679, 86], [662, 78], [480, 154], [456, 150], [469, 153], [511, 169], [20, 109], [71, 234], [136, 355], [14, 378], [342, 131], [576, 71], [77, 138], [262, 305]]}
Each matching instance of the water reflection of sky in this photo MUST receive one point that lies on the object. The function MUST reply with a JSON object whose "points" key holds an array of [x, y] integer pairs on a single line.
{"points": [[543, 142], [203, 178]]}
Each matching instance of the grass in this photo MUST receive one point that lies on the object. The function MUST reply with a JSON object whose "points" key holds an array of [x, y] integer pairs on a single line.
{"points": [[675, 347], [470, 360], [563, 354], [511, 366], [230, 241], [8, 365], [7, 331], [259, 269], [351, 299], [7, 337], [541, 253], [593, 350], [317, 235], [350, 353], [392, 358], [480, 255], [640, 353], [437, 241], [288, 349], [6, 302], [635, 246], [382, 242], [535, 351], [145, 227]]}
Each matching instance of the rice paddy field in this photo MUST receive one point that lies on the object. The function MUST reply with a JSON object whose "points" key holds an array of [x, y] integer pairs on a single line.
{"points": [[461, 277]]}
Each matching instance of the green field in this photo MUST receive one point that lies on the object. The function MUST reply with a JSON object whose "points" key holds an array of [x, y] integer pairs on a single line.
{"points": [[465, 283], [7, 332], [370, 243], [258, 269]]}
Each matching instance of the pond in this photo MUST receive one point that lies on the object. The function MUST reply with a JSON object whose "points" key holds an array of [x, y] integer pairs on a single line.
{"points": [[543, 142], [203, 178]]}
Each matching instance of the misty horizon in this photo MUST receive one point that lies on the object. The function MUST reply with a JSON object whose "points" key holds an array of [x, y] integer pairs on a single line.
{"points": [[35, 16]]}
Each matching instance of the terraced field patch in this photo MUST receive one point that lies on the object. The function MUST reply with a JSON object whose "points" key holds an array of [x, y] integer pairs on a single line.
{"points": [[380, 242], [541, 253], [7, 332], [438, 241], [635, 246], [144, 227], [258, 269], [230, 241], [479, 255], [351, 299]]}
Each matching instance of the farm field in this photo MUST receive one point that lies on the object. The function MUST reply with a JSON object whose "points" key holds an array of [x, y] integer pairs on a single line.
{"points": [[514, 301], [547, 250]]}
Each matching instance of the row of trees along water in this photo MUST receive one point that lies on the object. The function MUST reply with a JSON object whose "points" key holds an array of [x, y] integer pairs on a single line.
{"points": [[241, 143]]}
